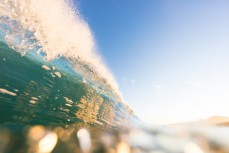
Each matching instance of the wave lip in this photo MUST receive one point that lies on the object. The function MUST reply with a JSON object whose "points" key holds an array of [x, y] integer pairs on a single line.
{"points": [[52, 27]]}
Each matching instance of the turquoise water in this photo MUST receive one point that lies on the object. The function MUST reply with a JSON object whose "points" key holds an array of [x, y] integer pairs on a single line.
{"points": [[52, 93]]}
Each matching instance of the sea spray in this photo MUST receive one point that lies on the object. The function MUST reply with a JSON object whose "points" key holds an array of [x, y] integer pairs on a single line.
{"points": [[53, 26]]}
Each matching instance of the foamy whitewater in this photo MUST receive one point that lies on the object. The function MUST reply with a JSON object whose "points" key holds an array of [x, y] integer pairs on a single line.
{"points": [[55, 26]]}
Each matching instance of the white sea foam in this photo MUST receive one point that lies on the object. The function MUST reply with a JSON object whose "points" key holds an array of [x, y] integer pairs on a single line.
{"points": [[58, 74], [57, 28], [46, 67], [4, 91]]}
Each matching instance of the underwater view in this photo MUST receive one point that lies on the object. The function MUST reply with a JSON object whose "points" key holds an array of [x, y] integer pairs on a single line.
{"points": [[57, 95]]}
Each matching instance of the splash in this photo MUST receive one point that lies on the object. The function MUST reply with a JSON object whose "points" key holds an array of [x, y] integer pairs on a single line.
{"points": [[52, 27]]}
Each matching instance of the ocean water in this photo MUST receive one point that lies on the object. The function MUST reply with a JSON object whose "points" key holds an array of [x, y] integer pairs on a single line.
{"points": [[50, 72], [56, 95], [35, 91]]}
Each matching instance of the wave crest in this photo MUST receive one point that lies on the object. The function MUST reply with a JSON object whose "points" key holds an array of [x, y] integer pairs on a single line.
{"points": [[55, 28]]}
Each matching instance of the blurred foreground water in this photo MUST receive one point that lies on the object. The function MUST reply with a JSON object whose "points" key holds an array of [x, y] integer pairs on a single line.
{"points": [[40, 139]]}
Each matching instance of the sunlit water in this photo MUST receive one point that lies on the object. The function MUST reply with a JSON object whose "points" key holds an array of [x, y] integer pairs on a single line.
{"points": [[24, 138]]}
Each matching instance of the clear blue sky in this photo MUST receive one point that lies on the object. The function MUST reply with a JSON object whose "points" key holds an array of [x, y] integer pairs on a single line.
{"points": [[170, 58]]}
